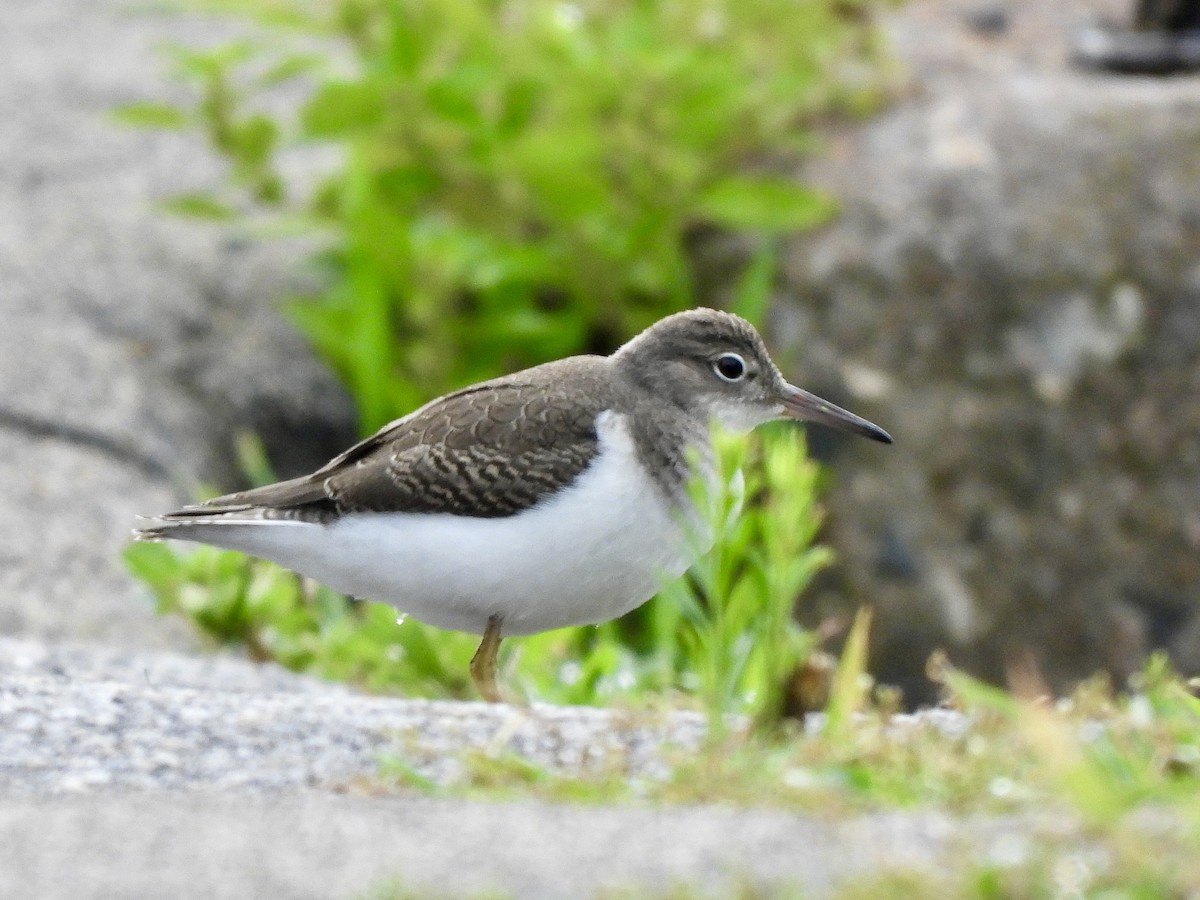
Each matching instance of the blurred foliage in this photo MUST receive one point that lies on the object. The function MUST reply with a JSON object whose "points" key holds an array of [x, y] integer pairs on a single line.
{"points": [[516, 180], [725, 634]]}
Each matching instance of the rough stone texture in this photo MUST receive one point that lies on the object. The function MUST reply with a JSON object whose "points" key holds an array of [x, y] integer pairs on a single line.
{"points": [[133, 344], [311, 845], [77, 718], [158, 775], [1013, 290]]}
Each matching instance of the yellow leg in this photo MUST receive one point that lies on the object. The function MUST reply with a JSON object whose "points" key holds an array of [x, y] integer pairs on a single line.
{"points": [[483, 663]]}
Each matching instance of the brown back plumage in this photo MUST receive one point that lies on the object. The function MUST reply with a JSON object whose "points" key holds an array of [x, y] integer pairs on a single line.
{"points": [[489, 450], [497, 448]]}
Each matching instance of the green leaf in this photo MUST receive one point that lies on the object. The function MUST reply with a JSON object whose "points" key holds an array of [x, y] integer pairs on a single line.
{"points": [[756, 285], [340, 107], [563, 167], [161, 116], [198, 206], [210, 62], [252, 457], [848, 691], [155, 564], [764, 204], [254, 140], [291, 67]]}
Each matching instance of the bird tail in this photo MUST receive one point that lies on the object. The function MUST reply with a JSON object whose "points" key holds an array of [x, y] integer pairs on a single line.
{"points": [[207, 525]]}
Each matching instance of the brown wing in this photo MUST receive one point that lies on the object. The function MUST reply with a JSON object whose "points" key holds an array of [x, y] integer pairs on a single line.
{"points": [[487, 451]]}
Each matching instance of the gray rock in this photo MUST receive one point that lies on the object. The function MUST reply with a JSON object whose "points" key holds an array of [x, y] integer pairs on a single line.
{"points": [[1012, 291], [134, 345]]}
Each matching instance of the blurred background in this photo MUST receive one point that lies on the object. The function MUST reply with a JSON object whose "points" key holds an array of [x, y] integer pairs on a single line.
{"points": [[968, 221]]}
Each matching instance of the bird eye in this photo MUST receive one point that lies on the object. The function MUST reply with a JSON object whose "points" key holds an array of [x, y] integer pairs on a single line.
{"points": [[730, 367]]}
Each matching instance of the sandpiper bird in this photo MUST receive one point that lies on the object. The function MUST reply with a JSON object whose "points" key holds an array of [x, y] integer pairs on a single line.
{"points": [[546, 498]]}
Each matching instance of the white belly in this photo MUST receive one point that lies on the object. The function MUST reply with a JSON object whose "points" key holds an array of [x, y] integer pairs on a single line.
{"points": [[591, 553]]}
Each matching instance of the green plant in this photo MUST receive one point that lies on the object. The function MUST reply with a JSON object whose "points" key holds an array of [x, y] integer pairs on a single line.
{"points": [[732, 618], [516, 181]]}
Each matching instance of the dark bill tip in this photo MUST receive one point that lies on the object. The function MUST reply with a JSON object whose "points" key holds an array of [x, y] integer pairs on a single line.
{"points": [[800, 404]]}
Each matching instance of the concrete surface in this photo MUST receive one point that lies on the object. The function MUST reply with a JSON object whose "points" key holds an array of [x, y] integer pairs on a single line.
{"points": [[313, 845]]}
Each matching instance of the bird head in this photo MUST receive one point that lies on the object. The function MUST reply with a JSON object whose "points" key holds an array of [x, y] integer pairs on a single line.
{"points": [[715, 365]]}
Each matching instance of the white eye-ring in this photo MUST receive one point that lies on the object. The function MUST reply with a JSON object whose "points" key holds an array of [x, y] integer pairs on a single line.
{"points": [[730, 367]]}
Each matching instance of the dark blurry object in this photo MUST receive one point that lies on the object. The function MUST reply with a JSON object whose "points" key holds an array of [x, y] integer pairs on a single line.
{"points": [[1167, 15], [989, 20], [1164, 39], [896, 559], [808, 687]]}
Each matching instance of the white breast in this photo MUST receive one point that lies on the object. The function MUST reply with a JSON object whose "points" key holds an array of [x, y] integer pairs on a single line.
{"points": [[593, 551]]}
